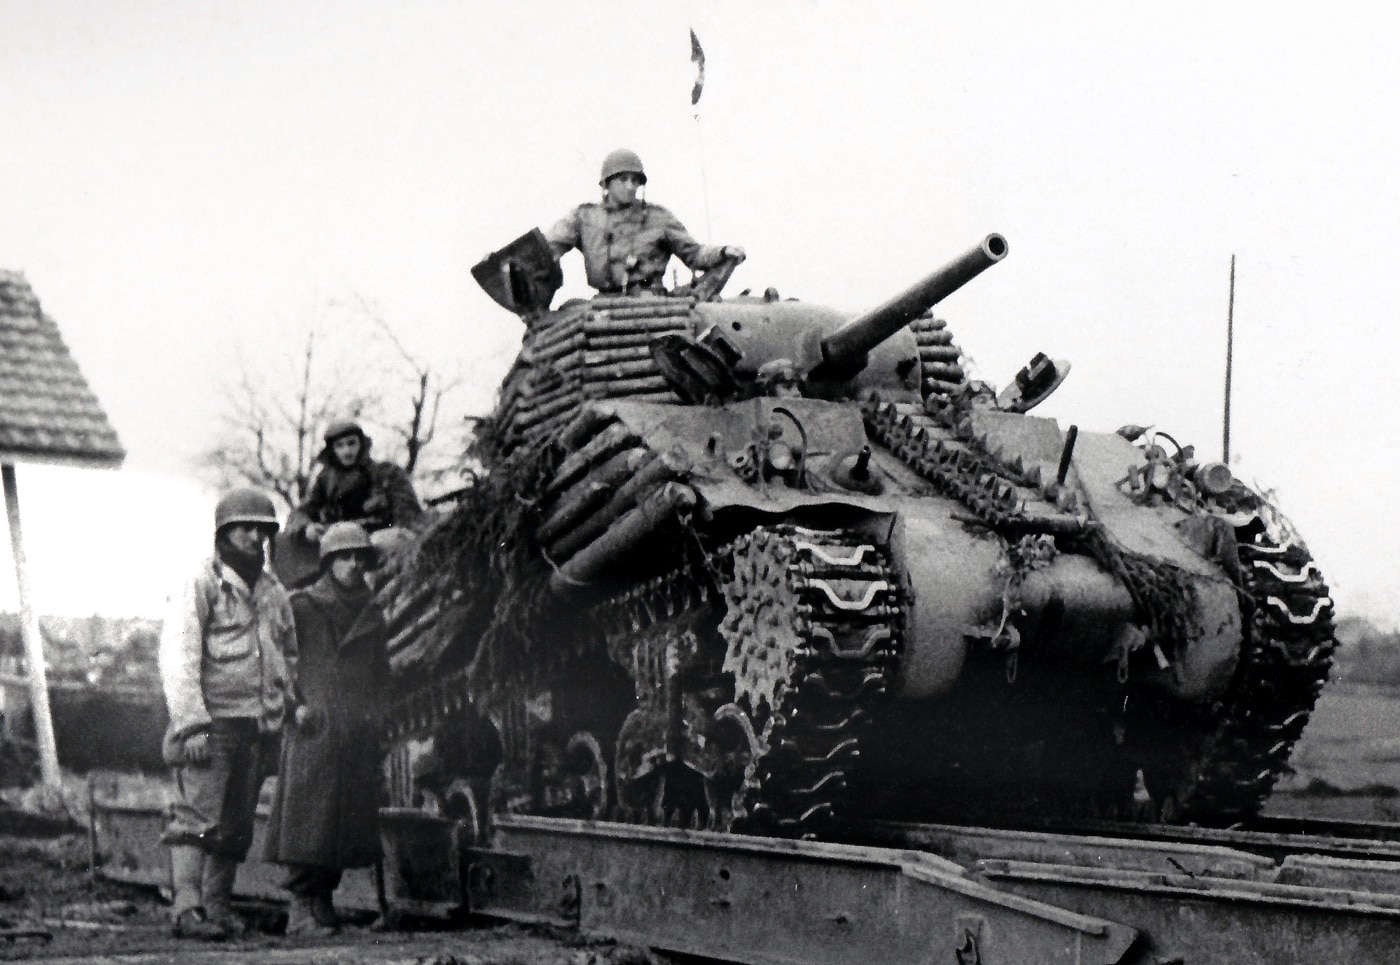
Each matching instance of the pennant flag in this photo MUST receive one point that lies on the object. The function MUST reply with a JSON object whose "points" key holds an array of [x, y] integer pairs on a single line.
{"points": [[698, 56]]}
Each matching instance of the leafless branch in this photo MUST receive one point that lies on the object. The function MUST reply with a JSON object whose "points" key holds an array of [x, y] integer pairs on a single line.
{"points": [[272, 421]]}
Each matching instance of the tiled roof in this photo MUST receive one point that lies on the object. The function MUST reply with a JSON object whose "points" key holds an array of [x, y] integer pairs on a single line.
{"points": [[47, 411]]}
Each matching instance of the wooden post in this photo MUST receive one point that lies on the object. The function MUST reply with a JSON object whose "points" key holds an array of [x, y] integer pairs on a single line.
{"points": [[33, 643]]}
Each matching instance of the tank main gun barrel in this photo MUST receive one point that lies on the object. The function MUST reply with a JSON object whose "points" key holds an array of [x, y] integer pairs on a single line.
{"points": [[847, 346]]}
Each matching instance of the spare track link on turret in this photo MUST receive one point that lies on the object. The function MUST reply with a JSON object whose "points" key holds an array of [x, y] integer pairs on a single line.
{"points": [[811, 631]]}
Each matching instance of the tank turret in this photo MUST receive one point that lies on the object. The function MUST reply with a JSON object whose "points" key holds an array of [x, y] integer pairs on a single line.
{"points": [[753, 564]]}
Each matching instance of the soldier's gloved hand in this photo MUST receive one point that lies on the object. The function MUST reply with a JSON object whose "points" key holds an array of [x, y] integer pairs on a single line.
{"points": [[196, 749], [314, 531], [307, 719], [733, 253]]}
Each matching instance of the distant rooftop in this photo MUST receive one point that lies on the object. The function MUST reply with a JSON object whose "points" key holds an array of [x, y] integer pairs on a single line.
{"points": [[47, 411]]}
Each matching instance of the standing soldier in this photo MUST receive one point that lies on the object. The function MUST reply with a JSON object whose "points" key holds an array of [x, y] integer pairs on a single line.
{"points": [[626, 241], [224, 677], [325, 817]]}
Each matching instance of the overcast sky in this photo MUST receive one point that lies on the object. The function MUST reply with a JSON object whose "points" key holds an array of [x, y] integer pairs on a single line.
{"points": [[186, 183]]}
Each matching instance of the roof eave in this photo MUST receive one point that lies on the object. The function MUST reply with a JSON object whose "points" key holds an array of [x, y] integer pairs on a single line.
{"points": [[75, 460]]}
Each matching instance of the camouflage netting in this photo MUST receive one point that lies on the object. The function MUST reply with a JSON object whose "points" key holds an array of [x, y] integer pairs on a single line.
{"points": [[492, 578]]}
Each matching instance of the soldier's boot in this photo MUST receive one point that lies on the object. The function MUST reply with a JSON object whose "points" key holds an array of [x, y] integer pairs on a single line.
{"points": [[187, 915], [219, 872], [321, 901], [301, 919], [323, 908]]}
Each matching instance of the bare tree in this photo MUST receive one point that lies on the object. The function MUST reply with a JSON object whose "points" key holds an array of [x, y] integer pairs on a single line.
{"points": [[274, 417], [425, 396]]}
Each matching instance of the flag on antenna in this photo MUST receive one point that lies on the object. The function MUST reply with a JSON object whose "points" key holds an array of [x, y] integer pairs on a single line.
{"points": [[697, 54]]}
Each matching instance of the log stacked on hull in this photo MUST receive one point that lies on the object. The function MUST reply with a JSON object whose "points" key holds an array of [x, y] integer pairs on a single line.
{"points": [[600, 350], [416, 610], [609, 493]]}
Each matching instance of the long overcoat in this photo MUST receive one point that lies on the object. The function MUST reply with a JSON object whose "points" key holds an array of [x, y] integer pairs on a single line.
{"points": [[329, 788]]}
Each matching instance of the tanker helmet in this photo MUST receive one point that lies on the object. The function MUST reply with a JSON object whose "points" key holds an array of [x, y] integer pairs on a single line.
{"points": [[342, 537], [622, 161], [245, 504], [343, 427]]}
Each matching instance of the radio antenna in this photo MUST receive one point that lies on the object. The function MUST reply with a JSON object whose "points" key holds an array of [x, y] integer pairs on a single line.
{"points": [[1229, 363]]}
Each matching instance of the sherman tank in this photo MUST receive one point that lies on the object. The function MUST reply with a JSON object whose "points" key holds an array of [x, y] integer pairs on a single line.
{"points": [[752, 564]]}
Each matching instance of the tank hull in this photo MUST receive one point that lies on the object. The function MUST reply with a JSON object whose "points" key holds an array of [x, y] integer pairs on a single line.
{"points": [[690, 591]]}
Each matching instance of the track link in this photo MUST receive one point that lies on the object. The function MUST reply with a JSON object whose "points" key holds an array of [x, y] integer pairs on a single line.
{"points": [[810, 632]]}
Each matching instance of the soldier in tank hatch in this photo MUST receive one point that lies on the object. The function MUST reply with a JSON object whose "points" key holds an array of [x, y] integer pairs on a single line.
{"points": [[349, 486], [224, 676], [627, 241]]}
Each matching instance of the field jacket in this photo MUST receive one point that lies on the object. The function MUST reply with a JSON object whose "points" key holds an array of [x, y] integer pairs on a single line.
{"points": [[626, 248], [222, 650]]}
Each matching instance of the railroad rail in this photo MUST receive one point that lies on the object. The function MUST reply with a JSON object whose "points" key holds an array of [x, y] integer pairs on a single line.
{"points": [[1275, 837], [1128, 894]]}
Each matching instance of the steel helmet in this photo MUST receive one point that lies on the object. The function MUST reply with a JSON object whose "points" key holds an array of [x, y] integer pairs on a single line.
{"points": [[245, 504], [622, 161], [341, 537], [342, 427]]}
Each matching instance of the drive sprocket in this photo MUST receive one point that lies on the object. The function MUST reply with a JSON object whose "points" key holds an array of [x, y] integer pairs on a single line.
{"points": [[798, 651], [812, 630]]}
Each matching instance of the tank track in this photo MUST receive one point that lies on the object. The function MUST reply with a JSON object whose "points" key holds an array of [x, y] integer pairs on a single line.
{"points": [[810, 634], [1221, 774], [1285, 663]]}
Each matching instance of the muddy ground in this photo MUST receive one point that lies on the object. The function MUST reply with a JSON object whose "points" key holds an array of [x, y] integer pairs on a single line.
{"points": [[54, 911], [52, 908]]}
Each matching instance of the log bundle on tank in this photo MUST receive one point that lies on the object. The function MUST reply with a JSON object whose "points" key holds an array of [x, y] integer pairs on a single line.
{"points": [[609, 494], [413, 609], [602, 351]]}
